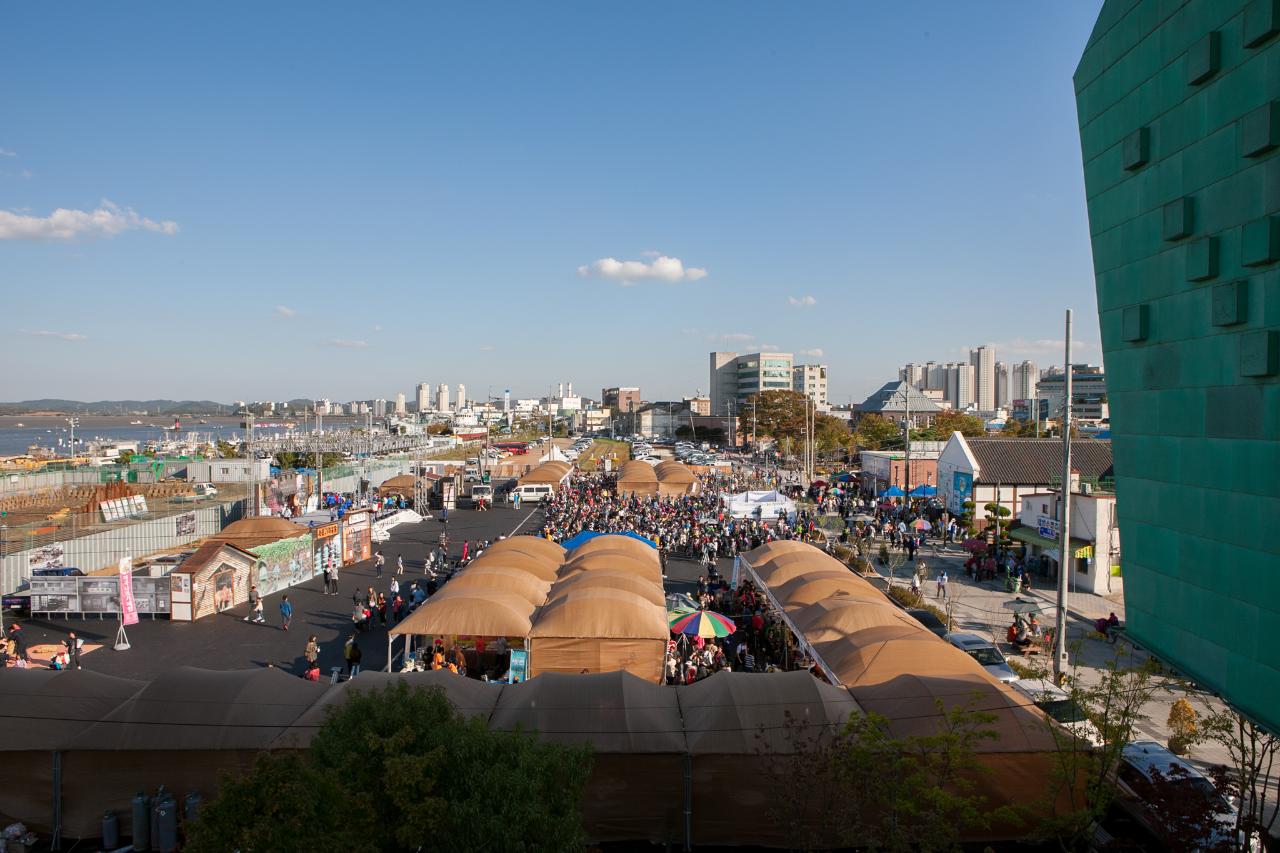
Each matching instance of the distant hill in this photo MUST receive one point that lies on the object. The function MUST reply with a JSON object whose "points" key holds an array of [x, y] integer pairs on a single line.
{"points": [[118, 407]]}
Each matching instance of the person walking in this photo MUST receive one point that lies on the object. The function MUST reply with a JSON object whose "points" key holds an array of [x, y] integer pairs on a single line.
{"points": [[354, 655], [286, 613], [311, 654], [255, 606], [942, 583], [399, 566], [334, 575], [73, 645], [395, 587], [378, 562]]}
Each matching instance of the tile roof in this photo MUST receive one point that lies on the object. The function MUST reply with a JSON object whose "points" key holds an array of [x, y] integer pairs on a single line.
{"points": [[889, 399], [1037, 461]]}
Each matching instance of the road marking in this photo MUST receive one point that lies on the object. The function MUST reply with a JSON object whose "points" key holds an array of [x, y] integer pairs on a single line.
{"points": [[522, 521]]}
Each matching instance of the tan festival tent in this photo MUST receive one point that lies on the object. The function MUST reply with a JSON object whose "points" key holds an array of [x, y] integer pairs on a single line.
{"points": [[731, 719], [549, 552], [184, 730], [469, 613], [54, 706], [404, 484], [610, 578], [478, 578], [618, 561], [785, 567], [252, 532], [636, 789], [599, 630], [638, 478], [553, 472], [675, 478], [807, 589], [844, 620], [611, 542], [534, 566], [472, 698]]}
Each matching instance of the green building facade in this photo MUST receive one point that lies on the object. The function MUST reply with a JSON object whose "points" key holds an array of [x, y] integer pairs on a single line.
{"points": [[1179, 110]]}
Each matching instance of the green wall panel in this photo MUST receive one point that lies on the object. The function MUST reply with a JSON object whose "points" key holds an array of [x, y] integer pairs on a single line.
{"points": [[1178, 104]]}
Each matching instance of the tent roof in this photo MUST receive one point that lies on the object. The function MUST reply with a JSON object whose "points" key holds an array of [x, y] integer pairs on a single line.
{"points": [[614, 542], [252, 532], [610, 578], [588, 535], [784, 567], [478, 578], [471, 697], [57, 705], [773, 549], [548, 472], [674, 472], [815, 586], [204, 709], [604, 560], [738, 713], [534, 566], [601, 614], [208, 553], [536, 546], [470, 612], [909, 701], [616, 712], [637, 472], [843, 620]]}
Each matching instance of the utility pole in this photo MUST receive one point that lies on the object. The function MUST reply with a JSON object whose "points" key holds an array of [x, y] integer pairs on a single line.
{"points": [[906, 405], [1064, 533]]}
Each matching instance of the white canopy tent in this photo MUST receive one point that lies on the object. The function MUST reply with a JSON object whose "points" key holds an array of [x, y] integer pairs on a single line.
{"points": [[771, 504]]}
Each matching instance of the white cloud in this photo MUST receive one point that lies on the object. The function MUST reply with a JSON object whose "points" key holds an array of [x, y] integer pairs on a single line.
{"points": [[768, 347], [486, 348], [62, 336], [732, 337], [285, 311], [661, 268], [107, 220], [346, 343], [5, 152], [377, 328], [816, 352], [802, 301], [650, 253]]}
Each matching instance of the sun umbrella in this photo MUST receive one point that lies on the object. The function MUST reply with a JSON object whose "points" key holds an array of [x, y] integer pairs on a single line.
{"points": [[921, 524], [675, 614], [704, 623], [1021, 605], [974, 546], [864, 518], [893, 492]]}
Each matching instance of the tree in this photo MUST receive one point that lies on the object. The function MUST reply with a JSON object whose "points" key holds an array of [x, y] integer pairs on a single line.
{"points": [[1253, 752], [947, 422], [867, 788], [779, 413], [831, 433], [1014, 428], [874, 432], [405, 771], [438, 429]]}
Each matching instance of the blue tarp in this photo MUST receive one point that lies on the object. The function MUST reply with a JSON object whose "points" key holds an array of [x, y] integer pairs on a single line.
{"points": [[924, 491], [893, 492], [586, 535]]}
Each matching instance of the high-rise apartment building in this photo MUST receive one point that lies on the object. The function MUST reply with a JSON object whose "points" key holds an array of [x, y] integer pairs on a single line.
{"points": [[1002, 384], [400, 405], [959, 390], [442, 398], [1179, 113], [379, 408], [424, 396], [983, 360], [736, 377], [1088, 392], [811, 380], [1023, 381], [462, 397]]}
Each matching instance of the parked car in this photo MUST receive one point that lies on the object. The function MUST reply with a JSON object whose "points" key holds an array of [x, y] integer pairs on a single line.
{"points": [[1060, 707], [927, 619], [985, 653], [1136, 792], [205, 490]]}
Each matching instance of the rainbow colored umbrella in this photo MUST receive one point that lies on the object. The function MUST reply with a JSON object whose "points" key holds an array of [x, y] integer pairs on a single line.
{"points": [[704, 623], [675, 614]]}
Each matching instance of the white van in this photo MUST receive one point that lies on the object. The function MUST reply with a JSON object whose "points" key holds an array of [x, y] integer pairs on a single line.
{"points": [[531, 492]]}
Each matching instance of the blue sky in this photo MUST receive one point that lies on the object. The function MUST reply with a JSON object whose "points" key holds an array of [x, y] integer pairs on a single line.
{"points": [[340, 200]]}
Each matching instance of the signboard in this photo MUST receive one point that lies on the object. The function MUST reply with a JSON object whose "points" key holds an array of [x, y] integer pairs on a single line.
{"points": [[1050, 528], [357, 537], [185, 524], [961, 490], [327, 547], [55, 595], [519, 666], [48, 557], [128, 606], [118, 509], [100, 594]]}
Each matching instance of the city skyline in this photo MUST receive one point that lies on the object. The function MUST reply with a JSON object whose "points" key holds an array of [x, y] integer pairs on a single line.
{"points": [[311, 199]]}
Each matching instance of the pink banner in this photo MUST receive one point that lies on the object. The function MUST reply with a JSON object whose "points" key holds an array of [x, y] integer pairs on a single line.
{"points": [[128, 607]]}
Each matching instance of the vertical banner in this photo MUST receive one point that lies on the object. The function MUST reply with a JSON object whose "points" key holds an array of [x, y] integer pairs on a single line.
{"points": [[519, 666], [128, 606]]}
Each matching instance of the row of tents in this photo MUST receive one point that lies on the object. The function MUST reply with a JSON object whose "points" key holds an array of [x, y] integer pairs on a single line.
{"points": [[666, 479], [598, 607]]}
